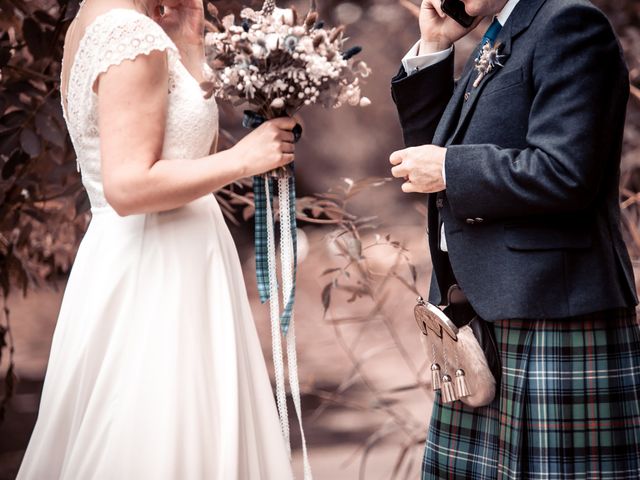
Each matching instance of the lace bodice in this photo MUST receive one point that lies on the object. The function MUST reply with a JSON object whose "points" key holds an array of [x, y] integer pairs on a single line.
{"points": [[114, 36]]}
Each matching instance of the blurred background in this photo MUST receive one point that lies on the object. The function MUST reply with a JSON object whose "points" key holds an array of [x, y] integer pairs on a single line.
{"points": [[363, 255]]}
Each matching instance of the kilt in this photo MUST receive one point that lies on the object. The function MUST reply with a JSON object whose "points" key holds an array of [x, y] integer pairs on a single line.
{"points": [[568, 406]]}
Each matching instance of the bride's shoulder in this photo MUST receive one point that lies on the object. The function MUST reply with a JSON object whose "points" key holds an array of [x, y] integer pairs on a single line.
{"points": [[120, 23], [117, 34]]}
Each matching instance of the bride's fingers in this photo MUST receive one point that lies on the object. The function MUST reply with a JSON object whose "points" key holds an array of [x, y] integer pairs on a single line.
{"points": [[287, 147], [286, 136], [286, 158], [284, 123]]}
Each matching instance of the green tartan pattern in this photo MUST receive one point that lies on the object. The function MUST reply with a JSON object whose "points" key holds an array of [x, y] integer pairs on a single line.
{"points": [[260, 238], [568, 407], [260, 234]]}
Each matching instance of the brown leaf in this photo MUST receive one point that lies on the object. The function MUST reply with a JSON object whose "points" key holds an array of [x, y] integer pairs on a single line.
{"points": [[326, 297]]}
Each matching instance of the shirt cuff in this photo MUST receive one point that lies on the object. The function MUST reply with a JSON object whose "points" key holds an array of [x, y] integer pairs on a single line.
{"points": [[412, 62], [444, 176]]}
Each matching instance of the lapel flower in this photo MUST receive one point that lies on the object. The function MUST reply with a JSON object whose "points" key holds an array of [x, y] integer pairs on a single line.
{"points": [[488, 60]]}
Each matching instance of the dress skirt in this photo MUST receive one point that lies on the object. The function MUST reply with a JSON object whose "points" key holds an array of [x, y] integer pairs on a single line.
{"points": [[568, 408], [156, 370]]}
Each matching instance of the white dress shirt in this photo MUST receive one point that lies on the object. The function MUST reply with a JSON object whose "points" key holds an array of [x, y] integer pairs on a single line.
{"points": [[414, 62]]}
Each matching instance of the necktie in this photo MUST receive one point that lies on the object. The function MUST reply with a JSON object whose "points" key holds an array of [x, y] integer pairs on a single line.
{"points": [[492, 33]]}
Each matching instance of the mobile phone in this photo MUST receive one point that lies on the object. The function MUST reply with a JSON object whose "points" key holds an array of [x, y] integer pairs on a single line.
{"points": [[455, 9]]}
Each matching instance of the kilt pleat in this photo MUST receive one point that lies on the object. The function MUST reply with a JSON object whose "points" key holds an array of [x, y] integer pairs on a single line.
{"points": [[568, 407]]}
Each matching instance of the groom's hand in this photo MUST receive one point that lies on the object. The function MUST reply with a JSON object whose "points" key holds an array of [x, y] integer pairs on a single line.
{"points": [[421, 167], [437, 30]]}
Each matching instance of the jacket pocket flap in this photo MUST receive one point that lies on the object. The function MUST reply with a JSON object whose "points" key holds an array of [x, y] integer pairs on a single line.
{"points": [[543, 237], [503, 80]]}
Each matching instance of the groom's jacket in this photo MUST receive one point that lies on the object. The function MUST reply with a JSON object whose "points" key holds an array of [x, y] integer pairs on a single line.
{"points": [[531, 210]]}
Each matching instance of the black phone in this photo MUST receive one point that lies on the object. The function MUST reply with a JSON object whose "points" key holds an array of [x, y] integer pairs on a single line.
{"points": [[455, 9]]}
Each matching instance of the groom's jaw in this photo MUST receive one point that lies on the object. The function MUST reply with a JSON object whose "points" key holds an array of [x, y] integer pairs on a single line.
{"points": [[483, 8]]}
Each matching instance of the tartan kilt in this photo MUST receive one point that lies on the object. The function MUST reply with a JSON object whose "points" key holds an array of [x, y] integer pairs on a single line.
{"points": [[568, 406]]}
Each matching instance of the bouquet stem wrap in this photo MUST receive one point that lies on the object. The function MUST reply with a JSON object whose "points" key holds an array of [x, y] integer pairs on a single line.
{"points": [[282, 323]]}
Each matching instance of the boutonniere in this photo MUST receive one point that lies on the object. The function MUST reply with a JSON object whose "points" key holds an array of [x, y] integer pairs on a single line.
{"points": [[488, 60]]}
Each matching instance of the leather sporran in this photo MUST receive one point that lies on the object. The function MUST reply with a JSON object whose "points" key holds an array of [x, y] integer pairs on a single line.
{"points": [[464, 359]]}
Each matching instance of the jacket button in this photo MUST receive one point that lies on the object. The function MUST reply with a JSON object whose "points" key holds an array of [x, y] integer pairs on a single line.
{"points": [[439, 203], [466, 96], [470, 221], [479, 220]]}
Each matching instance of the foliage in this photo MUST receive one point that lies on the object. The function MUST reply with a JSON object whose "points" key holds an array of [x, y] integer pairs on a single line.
{"points": [[41, 201], [43, 207], [357, 279]]}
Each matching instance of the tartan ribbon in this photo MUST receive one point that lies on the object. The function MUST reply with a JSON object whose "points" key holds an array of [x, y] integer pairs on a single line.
{"points": [[262, 253], [254, 120]]}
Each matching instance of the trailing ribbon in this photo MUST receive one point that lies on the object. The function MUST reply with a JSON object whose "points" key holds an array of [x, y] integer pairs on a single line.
{"points": [[266, 274], [287, 196]]}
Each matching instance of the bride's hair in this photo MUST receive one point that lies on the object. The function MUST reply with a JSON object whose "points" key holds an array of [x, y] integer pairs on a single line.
{"points": [[141, 5]]}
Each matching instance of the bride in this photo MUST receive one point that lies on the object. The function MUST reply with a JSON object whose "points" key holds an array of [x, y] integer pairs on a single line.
{"points": [[155, 370]]}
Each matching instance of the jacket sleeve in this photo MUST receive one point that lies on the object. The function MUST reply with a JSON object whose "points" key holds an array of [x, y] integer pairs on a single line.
{"points": [[580, 90], [421, 99]]}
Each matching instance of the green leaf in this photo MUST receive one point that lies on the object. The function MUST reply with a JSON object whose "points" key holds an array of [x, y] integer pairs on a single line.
{"points": [[414, 273], [48, 129], [5, 56], [17, 158], [326, 297], [82, 203], [30, 142], [330, 270], [34, 37]]}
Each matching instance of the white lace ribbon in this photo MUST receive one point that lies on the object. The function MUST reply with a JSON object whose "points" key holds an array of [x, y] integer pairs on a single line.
{"points": [[287, 270]]}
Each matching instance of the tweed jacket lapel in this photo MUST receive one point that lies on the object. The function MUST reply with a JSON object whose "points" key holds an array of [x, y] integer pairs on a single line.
{"points": [[449, 117], [517, 23]]}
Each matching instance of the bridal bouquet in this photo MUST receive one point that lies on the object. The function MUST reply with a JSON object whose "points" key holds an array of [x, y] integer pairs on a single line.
{"points": [[274, 63]]}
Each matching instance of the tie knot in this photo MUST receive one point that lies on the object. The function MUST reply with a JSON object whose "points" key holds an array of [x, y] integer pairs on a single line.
{"points": [[492, 33]]}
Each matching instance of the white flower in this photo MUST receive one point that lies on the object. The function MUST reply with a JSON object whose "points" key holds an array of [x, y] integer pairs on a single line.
{"points": [[487, 62], [283, 15], [365, 102], [271, 41], [277, 103], [228, 21]]}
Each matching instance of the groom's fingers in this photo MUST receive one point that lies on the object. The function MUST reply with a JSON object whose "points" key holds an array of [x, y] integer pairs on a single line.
{"points": [[438, 7], [408, 187], [396, 157], [399, 171]]}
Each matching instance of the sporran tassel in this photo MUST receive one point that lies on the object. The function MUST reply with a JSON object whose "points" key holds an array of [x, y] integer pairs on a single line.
{"points": [[448, 393], [462, 389], [435, 377]]}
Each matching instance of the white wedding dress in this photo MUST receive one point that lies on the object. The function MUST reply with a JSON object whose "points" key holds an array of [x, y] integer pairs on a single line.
{"points": [[156, 370]]}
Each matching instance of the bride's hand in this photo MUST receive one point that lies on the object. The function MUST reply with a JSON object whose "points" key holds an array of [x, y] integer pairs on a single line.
{"points": [[269, 146], [183, 20]]}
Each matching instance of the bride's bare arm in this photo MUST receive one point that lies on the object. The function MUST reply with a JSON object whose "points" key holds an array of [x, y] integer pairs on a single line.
{"points": [[132, 109]]}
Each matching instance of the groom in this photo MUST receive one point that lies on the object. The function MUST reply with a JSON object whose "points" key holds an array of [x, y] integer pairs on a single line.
{"points": [[520, 160], [522, 169]]}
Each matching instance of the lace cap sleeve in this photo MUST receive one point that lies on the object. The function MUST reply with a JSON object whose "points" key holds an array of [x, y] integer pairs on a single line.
{"points": [[123, 34]]}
